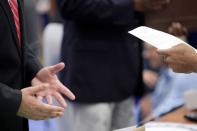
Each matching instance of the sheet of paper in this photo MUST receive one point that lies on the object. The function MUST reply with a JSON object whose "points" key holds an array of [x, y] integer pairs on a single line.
{"points": [[156, 38], [126, 129], [162, 126], [133, 128], [169, 126]]}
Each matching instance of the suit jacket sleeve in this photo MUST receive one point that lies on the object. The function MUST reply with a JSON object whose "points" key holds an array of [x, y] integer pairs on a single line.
{"points": [[120, 12], [10, 101]]}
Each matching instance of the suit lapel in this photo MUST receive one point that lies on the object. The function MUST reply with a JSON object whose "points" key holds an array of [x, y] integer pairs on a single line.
{"points": [[8, 12]]}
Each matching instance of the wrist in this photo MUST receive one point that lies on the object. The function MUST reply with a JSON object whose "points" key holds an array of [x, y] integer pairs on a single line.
{"points": [[23, 111], [195, 60], [19, 112]]}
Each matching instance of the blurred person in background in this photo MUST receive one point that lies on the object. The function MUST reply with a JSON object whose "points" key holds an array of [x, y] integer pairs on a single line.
{"points": [[103, 61], [169, 92], [151, 75], [170, 87], [33, 26]]}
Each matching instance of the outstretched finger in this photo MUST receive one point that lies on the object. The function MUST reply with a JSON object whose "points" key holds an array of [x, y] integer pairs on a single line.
{"points": [[65, 91], [57, 114], [49, 99], [40, 98], [51, 108], [56, 68], [60, 100], [50, 111]]}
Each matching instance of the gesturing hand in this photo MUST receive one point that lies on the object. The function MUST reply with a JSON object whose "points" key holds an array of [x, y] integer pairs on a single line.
{"points": [[48, 75], [181, 58], [32, 108]]}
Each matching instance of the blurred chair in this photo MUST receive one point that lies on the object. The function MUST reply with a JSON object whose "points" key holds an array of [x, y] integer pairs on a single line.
{"points": [[52, 38]]}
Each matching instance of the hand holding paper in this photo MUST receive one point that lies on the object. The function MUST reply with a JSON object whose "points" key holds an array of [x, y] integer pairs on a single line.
{"points": [[179, 55]]}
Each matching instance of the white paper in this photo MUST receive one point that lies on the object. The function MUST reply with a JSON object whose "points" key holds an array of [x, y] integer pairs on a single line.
{"points": [[156, 38], [126, 129], [169, 126], [163, 126]]}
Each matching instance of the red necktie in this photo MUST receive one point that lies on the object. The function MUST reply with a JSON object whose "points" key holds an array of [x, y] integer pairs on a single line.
{"points": [[14, 7]]}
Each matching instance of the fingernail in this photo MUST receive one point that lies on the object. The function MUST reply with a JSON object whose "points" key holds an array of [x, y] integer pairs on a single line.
{"points": [[62, 109], [65, 106], [73, 97]]}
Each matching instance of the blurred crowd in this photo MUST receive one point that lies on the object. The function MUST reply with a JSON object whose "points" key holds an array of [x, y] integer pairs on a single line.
{"points": [[162, 88]]}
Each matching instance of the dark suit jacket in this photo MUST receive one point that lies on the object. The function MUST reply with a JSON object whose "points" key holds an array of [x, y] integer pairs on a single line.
{"points": [[17, 67], [103, 62]]}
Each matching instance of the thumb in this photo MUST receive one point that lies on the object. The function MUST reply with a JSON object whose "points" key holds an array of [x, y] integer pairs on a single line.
{"points": [[56, 68], [38, 88], [163, 51]]}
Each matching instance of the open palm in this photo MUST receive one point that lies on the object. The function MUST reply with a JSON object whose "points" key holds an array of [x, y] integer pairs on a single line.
{"points": [[48, 75]]}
